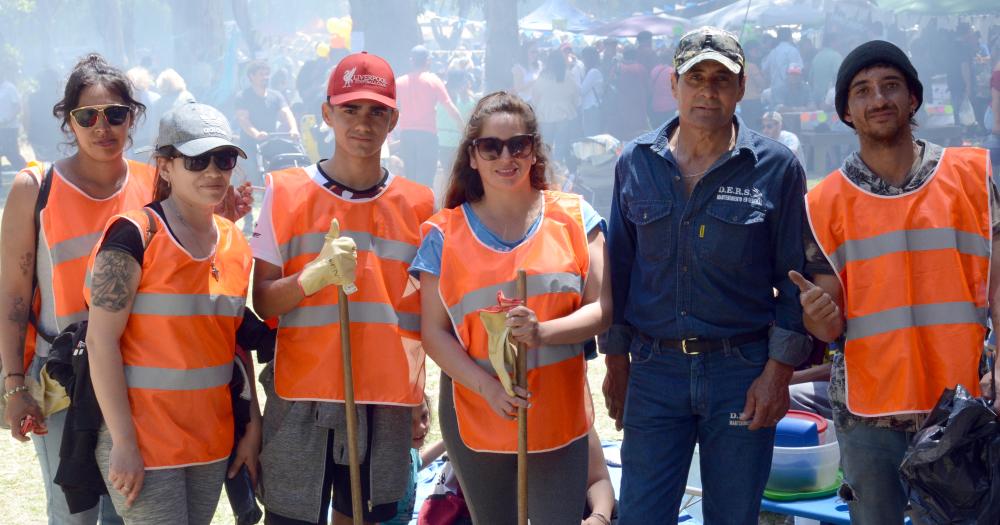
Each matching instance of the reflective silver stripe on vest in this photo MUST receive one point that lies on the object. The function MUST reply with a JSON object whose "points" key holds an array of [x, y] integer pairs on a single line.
{"points": [[312, 243], [169, 304], [178, 379], [74, 248], [910, 240], [913, 316], [538, 284], [541, 356], [375, 313]]}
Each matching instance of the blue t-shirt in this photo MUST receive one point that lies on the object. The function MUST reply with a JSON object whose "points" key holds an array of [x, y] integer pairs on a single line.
{"points": [[404, 509], [428, 257]]}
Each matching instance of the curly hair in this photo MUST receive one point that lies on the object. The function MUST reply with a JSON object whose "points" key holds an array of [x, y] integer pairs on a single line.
{"points": [[465, 184]]}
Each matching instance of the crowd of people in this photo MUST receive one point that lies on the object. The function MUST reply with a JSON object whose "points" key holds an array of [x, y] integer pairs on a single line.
{"points": [[714, 277]]}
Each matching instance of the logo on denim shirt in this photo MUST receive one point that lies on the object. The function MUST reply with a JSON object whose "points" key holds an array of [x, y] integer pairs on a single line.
{"points": [[751, 196], [735, 421]]}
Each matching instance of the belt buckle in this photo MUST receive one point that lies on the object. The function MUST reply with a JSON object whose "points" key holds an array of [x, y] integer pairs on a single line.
{"points": [[684, 346]]}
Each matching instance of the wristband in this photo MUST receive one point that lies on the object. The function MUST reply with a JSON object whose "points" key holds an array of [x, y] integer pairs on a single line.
{"points": [[604, 519]]}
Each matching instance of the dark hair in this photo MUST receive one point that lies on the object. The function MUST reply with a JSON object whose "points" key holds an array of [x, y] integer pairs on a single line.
{"points": [[465, 184], [555, 65], [161, 188], [255, 66], [522, 57], [94, 70], [631, 54]]}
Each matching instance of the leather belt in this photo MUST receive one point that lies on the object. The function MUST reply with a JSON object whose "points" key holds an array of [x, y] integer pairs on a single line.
{"points": [[697, 345]]}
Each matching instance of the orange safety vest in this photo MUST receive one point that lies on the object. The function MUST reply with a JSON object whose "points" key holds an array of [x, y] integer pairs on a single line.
{"points": [[71, 224], [556, 260], [914, 270], [179, 344], [388, 361]]}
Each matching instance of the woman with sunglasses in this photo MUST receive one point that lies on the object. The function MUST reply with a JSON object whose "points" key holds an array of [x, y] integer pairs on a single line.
{"points": [[499, 218], [98, 111], [166, 292]]}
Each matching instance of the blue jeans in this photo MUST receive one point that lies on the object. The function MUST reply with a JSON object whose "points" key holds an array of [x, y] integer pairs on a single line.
{"points": [[675, 400], [47, 450], [870, 458]]}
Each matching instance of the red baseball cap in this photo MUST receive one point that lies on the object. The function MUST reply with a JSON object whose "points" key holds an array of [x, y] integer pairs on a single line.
{"points": [[362, 77]]}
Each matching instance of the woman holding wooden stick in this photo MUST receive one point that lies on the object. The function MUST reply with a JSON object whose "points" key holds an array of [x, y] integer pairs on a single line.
{"points": [[500, 217]]}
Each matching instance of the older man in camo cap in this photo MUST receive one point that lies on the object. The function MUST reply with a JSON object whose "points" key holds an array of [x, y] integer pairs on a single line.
{"points": [[706, 222]]}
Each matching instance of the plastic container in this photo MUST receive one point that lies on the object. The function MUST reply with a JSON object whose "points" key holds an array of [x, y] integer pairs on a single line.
{"points": [[803, 469], [821, 423], [796, 432]]}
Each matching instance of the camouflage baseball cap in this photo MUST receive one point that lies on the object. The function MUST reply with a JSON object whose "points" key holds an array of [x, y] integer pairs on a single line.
{"points": [[708, 43]]}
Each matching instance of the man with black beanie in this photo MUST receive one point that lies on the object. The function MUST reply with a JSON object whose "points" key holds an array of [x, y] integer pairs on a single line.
{"points": [[904, 240]]}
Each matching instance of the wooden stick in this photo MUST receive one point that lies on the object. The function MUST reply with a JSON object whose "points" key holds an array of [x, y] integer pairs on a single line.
{"points": [[522, 415], [350, 409]]}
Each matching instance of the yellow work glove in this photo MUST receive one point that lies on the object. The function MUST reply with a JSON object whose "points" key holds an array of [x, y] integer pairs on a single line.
{"points": [[502, 349], [335, 264]]}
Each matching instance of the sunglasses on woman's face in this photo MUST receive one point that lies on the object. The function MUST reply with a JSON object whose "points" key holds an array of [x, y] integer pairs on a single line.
{"points": [[115, 114], [491, 148], [225, 160]]}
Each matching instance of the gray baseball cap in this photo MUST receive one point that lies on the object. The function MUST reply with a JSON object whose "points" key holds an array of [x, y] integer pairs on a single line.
{"points": [[709, 43], [194, 129]]}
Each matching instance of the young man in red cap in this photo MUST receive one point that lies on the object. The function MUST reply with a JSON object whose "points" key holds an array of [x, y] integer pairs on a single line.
{"points": [[301, 259]]}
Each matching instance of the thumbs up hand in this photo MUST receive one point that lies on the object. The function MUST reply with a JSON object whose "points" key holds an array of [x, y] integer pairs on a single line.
{"points": [[335, 264], [816, 303]]}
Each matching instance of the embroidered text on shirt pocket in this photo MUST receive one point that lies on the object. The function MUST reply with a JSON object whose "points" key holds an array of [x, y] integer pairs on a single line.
{"points": [[653, 227], [731, 233]]}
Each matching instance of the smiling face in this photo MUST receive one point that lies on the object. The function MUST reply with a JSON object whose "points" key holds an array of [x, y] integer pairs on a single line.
{"points": [[102, 141], [880, 104], [205, 188], [360, 126], [707, 95], [420, 418], [506, 172]]}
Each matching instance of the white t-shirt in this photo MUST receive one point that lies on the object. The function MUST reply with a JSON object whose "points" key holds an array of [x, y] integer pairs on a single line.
{"points": [[791, 141], [264, 243]]}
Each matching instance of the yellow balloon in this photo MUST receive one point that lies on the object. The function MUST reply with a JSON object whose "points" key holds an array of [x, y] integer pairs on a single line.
{"points": [[323, 50], [331, 25]]}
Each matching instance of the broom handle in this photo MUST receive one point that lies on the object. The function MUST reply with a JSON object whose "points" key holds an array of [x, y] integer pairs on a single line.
{"points": [[350, 408], [522, 415]]}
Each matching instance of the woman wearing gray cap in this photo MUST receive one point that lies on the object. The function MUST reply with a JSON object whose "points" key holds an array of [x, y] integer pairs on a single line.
{"points": [[166, 292]]}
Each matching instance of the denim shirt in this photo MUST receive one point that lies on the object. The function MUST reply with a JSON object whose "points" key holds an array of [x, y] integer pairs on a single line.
{"points": [[707, 265]]}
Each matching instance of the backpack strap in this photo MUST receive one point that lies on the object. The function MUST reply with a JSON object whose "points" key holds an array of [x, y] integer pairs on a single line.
{"points": [[44, 188]]}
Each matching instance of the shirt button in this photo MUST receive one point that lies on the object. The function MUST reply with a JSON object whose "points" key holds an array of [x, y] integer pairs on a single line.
{"points": [[684, 312], [676, 178], [644, 215], [687, 223], [684, 268]]}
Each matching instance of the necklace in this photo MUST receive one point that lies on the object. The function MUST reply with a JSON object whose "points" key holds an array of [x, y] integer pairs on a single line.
{"points": [[672, 144], [214, 270]]}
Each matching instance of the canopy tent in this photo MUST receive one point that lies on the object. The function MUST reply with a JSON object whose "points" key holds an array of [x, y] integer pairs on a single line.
{"points": [[764, 13], [941, 7], [661, 24], [556, 14]]}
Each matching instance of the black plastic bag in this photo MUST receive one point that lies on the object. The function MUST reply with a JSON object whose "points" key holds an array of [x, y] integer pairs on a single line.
{"points": [[952, 467]]}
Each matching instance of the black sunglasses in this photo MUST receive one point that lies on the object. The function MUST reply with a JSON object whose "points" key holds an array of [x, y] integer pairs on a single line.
{"points": [[490, 148], [225, 160], [115, 114]]}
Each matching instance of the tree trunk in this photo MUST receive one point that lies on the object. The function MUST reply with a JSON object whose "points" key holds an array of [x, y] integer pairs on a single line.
{"points": [[199, 35], [108, 16], [390, 29], [502, 43]]}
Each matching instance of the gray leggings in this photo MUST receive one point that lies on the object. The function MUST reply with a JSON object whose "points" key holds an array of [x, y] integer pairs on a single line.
{"points": [[557, 480], [185, 495]]}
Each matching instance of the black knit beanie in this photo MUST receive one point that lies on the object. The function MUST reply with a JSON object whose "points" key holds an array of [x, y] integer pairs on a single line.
{"points": [[869, 54]]}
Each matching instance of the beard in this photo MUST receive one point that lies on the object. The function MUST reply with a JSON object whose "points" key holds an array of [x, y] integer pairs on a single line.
{"points": [[888, 132]]}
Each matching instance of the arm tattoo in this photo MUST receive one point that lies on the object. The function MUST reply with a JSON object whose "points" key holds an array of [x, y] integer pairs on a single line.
{"points": [[112, 273], [18, 314], [26, 263]]}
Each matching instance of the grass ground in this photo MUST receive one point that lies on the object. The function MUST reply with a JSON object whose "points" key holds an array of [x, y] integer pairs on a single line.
{"points": [[23, 500]]}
